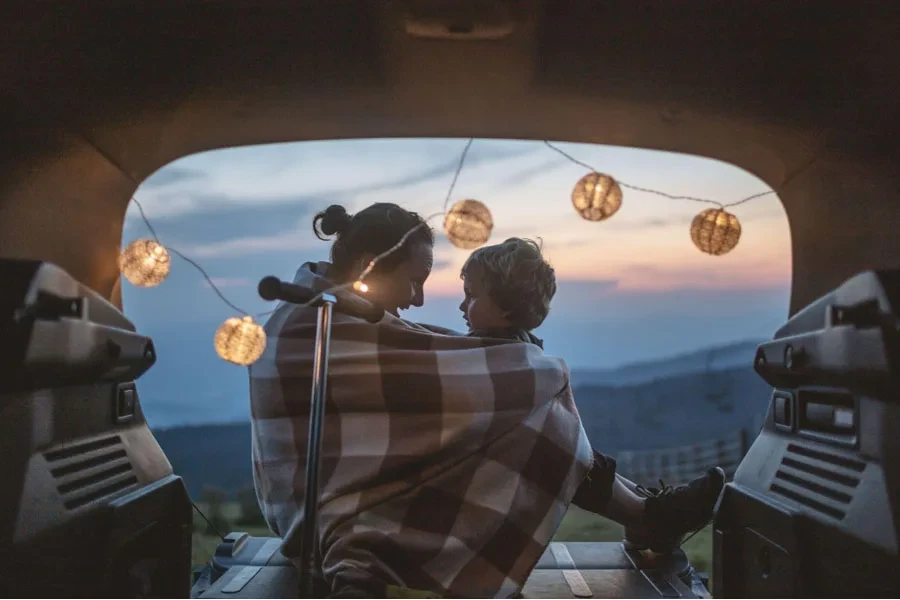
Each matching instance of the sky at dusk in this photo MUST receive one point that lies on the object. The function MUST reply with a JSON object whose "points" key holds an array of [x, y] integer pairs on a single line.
{"points": [[631, 288]]}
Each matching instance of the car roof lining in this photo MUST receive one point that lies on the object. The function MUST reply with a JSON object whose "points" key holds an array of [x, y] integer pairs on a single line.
{"points": [[104, 94]]}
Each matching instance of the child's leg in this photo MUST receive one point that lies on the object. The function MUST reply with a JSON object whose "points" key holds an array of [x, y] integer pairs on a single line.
{"points": [[655, 519], [609, 494], [625, 506]]}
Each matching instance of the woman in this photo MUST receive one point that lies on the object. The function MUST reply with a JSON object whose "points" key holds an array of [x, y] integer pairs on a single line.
{"points": [[397, 281], [448, 461]]}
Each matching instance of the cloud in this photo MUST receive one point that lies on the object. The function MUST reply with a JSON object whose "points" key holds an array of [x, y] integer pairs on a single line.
{"points": [[526, 175], [653, 223], [568, 243], [226, 282], [171, 175], [239, 221], [594, 285], [581, 288], [498, 235], [177, 204], [685, 220], [473, 159], [296, 238], [185, 204], [441, 264], [756, 275]]}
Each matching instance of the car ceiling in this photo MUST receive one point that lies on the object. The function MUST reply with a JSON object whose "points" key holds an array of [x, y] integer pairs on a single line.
{"points": [[99, 95]]}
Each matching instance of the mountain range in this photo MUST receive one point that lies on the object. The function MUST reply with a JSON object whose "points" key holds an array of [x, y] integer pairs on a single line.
{"points": [[669, 402]]}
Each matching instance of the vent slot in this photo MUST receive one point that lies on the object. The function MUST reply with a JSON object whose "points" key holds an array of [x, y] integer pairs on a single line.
{"points": [[811, 503], [819, 480], [820, 472], [88, 472], [87, 464], [84, 482], [70, 451], [815, 487], [841, 461], [106, 490]]}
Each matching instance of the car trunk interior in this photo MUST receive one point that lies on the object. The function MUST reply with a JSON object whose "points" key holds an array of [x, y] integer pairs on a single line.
{"points": [[98, 96]]}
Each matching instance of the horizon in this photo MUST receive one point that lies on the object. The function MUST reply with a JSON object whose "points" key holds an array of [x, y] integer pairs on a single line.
{"points": [[576, 371], [632, 288]]}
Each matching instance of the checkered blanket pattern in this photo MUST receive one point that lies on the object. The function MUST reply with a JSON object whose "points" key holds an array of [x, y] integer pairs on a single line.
{"points": [[448, 461]]}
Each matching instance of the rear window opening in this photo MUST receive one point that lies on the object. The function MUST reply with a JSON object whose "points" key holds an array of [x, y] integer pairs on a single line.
{"points": [[659, 336]]}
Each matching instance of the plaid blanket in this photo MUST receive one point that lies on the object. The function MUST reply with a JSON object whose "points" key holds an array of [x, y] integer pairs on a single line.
{"points": [[447, 463]]}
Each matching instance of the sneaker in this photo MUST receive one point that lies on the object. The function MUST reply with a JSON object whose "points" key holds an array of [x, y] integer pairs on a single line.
{"points": [[672, 513]]}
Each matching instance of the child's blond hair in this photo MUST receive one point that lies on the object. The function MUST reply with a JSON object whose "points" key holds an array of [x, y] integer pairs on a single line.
{"points": [[517, 279]]}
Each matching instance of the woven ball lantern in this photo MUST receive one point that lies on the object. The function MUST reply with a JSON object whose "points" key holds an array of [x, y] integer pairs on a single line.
{"points": [[597, 197], [240, 340], [145, 263], [468, 224], [715, 231]]}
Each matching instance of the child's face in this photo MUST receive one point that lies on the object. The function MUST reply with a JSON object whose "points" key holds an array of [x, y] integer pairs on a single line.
{"points": [[479, 311]]}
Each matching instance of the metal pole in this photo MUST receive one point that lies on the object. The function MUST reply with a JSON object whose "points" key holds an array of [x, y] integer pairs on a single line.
{"points": [[309, 536]]}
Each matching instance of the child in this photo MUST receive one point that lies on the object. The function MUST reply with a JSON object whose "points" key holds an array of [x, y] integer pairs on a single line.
{"points": [[508, 290]]}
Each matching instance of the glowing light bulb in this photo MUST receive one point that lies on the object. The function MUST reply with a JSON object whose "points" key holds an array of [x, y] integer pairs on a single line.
{"points": [[468, 224], [715, 231], [145, 263], [359, 286], [240, 340], [596, 197]]}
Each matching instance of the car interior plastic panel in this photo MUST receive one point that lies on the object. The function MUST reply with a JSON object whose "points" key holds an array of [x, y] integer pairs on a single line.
{"points": [[89, 506], [813, 508]]}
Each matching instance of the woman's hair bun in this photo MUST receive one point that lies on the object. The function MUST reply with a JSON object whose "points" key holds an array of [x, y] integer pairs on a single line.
{"points": [[332, 220]]}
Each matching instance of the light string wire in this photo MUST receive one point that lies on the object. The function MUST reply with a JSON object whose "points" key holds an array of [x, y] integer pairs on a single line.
{"points": [[196, 265], [186, 258], [372, 264], [365, 273], [657, 192]]}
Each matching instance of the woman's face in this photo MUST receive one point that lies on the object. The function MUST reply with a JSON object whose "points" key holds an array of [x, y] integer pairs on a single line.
{"points": [[403, 287]]}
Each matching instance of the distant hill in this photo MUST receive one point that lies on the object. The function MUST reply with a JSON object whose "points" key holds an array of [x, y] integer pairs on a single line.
{"points": [[217, 455], [666, 411], [672, 411], [738, 354]]}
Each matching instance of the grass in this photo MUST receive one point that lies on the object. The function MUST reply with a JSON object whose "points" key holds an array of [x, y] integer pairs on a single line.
{"points": [[577, 526], [229, 519]]}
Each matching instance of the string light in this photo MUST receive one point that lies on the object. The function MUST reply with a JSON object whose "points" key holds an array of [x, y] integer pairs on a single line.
{"points": [[359, 280], [597, 197], [468, 224], [240, 340], [715, 231], [145, 263]]}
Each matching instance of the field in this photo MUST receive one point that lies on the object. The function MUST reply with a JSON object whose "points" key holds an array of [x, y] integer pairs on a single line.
{"points": [[577, 526]]}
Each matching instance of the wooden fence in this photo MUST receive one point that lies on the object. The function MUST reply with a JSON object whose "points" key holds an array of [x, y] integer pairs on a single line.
{"points": [[681, 464]]}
